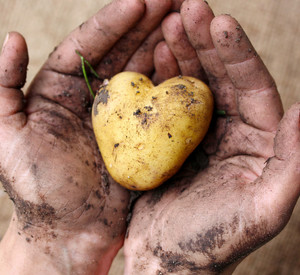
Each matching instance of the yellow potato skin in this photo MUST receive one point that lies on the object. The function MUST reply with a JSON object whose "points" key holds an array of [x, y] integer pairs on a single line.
{"points": [[146, 132]]}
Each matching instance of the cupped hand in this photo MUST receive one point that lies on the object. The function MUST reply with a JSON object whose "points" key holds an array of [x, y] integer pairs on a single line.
{"points": [[204, 221], [66, 204]]}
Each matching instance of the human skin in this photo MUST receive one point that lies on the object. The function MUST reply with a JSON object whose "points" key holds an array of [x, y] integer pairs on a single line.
{"points": [[60, 227], [70, 216], [206, 220]]}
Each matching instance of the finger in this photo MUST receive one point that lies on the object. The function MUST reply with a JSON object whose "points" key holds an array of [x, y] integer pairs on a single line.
{"points": [[287, 140], [13, 68], [165, 63], [257, 94], [116, 59], [13, 61], [197, 17], [142, 60], [180, 46], [94, 38], [281, 176]]}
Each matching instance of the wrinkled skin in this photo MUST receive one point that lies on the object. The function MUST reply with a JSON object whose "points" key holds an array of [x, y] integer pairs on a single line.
{"points": [[70, 216], [204, 221]]}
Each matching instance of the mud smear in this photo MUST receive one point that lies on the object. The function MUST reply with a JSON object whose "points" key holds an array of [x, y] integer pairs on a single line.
{"points": [[205, 243], [105, 183], [29, 212], [157, 194], [174, 262], [101, 97]]}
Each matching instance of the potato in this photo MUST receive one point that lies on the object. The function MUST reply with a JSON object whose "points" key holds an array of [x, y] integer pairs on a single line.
{"points": [[145, 133]]}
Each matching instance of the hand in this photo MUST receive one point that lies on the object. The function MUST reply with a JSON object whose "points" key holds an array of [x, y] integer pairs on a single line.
{"points": [[204, 222], [70, 216]]}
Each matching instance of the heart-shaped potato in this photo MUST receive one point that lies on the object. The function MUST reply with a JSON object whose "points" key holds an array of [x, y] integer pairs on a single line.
{"points": [[146, 132]]}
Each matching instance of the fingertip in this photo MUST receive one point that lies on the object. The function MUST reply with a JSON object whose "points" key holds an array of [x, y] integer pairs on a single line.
{"points": [[165, 63], [14, 40], [196, 17], [162, 51], [225, 19], [230, 40], [172, 18], [184, 52], [173, 32], [171, 25], [13, 61], [138, 6], [222, 24], [196, 7]]}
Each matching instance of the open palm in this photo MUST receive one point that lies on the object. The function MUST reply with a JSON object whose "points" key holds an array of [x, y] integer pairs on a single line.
{"points": [[202, 221], [65, 200]]}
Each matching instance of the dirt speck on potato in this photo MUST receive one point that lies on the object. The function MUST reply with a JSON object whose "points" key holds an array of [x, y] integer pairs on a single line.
{"points": [[148, 108], [180, 86], [102, 97], [137, 112], [144, 120]]}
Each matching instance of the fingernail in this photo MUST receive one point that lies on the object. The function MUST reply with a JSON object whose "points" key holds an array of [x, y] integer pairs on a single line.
{"points": [[4, 43]]}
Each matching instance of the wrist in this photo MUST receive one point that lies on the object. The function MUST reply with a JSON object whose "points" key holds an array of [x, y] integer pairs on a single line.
{"points": [[31, 250]]}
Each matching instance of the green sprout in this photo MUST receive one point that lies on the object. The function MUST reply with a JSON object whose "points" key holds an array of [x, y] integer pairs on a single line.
{"points": [[221, 113], [84, 62]]}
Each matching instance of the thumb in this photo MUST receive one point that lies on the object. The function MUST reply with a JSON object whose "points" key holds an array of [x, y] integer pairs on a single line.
{"points": [[281, 176], [13, 69]]}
